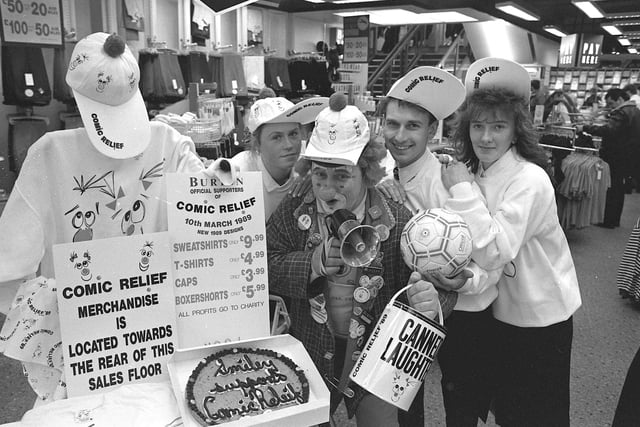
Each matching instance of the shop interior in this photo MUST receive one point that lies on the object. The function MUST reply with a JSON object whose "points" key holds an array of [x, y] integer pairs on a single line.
{"points": [[204, 63]]}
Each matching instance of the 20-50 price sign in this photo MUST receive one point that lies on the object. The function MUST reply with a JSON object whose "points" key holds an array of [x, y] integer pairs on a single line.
{"points": [[31, 22]]}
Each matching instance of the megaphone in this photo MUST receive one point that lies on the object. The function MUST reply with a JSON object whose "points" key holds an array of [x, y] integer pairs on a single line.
{"points": [[224, 171], [359, 243]]}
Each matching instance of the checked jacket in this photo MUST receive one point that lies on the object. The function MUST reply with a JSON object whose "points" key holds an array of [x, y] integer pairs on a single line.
{"points": [[290, 248]]}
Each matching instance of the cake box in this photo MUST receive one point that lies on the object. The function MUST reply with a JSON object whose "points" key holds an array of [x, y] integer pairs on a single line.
{"points": [[315, 411]]}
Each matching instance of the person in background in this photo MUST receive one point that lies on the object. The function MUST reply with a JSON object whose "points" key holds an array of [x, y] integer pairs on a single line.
{"points": [[620, 148], [276, 140], [331, 314], [411, 113], [516, 228], [632, 91], [538, 95], [593, 98], [557, 108]]}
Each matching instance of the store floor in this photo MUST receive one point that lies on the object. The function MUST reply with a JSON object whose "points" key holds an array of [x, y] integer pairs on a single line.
{"points": [[606, 336]]}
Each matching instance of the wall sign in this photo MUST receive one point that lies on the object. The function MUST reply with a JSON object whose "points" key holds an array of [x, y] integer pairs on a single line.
{"points": [[31, 22], [219, 253], [590, 50], [568, 51], [117, 313], [356, 38]]}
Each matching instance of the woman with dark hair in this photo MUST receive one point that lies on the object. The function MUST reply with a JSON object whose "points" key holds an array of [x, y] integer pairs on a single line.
{"points": [[517, 229]]}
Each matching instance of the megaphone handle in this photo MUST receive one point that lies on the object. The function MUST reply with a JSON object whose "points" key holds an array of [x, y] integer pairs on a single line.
{"points": [[406, 288]]}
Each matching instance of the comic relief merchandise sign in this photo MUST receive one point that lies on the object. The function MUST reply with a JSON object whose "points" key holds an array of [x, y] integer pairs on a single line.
{"points": [[398, 354], [219, 256], [117, 315]]}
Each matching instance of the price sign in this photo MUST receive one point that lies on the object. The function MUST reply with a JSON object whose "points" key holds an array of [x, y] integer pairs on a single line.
{"points": [[355, 49], [219, 253], [31, 22]]}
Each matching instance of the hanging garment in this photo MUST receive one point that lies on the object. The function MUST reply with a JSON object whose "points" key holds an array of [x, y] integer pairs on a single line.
{"points": [[628, 278], [581, 194], [161, 80], [23, 132], [24, 76], [194, 68], [276, 74], [61, 59], [253, 71], [232, 80]]}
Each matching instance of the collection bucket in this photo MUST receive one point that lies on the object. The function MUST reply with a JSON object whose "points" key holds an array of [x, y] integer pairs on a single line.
{"points": [[399, 353]]}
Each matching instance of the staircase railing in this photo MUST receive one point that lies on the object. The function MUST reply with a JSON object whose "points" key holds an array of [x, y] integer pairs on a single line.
{"points": [[454, 49], [401, 47]]}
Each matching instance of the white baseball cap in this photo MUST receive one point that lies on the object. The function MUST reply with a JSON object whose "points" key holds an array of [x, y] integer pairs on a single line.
{"points": [[436, 90], [281, 110], [340, 134], [104, 76], [498, 73]]}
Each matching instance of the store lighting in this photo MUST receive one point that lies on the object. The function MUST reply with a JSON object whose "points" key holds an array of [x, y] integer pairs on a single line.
{"points": [[315, 1], [611, 29], [624, 42], [393, 16], [516, 10], [353, 1], [554, 30], [589, 9]]}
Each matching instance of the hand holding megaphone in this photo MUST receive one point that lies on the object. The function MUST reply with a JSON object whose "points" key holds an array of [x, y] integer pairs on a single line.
{"points": [[359, 243], [326, 259]]}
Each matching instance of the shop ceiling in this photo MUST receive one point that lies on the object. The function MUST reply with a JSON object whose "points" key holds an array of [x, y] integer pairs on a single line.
{"points": [[561, 14]]}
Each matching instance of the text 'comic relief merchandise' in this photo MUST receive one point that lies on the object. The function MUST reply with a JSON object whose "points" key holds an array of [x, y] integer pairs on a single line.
{"points": [[436, 240], [398, 354]]}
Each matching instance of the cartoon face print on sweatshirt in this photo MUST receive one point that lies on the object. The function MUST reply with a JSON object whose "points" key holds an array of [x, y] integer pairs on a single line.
{"points": [[130, 205], [101, 199], [83, 215]]}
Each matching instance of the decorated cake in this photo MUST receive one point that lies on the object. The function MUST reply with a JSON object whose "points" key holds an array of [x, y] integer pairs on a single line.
{"points": [[238, 382]]}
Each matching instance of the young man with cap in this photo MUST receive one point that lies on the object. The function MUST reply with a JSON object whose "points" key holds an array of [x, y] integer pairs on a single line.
{"points": [[276, 141], [516, 227], [411, 112], [103, 180], [334, 307]]}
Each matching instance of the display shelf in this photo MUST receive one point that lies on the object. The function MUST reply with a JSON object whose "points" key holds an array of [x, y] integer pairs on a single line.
{"points": [[587, 78]]}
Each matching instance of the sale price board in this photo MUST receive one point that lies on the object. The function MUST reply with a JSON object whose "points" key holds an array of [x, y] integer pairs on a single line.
{"points": [[219, 256], [356, 38], [117, 313], [32, 22]]}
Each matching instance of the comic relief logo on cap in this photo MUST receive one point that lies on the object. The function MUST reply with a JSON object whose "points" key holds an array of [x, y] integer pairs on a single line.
{"points": [[419, 79], [320, 104], [476, 79], [100, 132]]}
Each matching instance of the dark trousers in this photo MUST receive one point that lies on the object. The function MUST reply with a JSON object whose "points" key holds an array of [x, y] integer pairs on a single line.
{"points": [[533, 373], [466, 360], [615, 198], [628, 409]]}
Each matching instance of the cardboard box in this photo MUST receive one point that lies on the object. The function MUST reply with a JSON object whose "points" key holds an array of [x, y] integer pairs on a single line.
{"points": [[315, 411]]}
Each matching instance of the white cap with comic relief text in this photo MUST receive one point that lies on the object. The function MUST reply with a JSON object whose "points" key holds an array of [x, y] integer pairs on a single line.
{"points": [[436, 90], [104, 76], [281, 110], [499, 73], [340, 134]]}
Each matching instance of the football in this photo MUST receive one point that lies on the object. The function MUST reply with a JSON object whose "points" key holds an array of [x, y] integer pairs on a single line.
{"points": [[436, 240]]}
